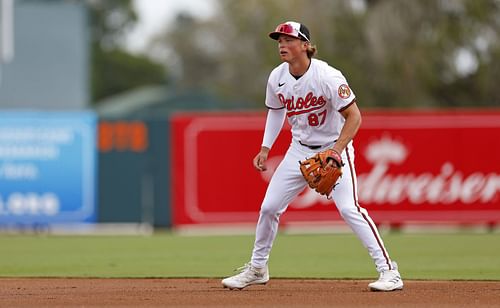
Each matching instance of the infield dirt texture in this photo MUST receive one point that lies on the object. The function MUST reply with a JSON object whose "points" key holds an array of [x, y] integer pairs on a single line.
{"points": [[77, 292]]}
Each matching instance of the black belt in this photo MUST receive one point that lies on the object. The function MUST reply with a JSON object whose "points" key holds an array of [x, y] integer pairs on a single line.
{"points": [[312, 147]]}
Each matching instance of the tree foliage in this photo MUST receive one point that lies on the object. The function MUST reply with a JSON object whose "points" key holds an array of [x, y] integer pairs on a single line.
{"points": [[426, 53], [114, 69], [110, 20]]}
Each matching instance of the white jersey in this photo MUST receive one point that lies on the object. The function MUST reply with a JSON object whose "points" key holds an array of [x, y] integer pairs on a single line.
{"points": [[312, 102]]}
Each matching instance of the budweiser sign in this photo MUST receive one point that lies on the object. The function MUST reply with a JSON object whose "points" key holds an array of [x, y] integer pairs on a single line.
{"points": [[428, 166]]}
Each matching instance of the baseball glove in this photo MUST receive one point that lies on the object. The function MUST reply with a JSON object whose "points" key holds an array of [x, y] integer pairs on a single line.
{"points": [[321, 174]]}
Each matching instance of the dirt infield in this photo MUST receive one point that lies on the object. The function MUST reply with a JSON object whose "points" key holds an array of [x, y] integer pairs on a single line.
{"points": [[86, 292]]}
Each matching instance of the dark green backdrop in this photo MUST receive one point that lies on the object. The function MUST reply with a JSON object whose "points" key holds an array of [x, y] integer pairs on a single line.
{"points": [[134, 186]]}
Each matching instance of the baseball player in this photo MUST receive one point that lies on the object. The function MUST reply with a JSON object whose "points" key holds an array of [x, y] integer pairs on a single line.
{"points": [[321, 108]]}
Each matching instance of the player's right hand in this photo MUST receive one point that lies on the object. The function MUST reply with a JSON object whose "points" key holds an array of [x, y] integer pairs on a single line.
{"points": [[259, 162]]}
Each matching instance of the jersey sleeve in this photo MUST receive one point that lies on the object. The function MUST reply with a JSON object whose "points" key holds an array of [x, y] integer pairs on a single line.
{"points": [[272, 100], [274, 123], [341, 95]]}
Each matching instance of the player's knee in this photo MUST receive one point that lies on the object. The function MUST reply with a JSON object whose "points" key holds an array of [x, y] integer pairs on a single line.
{"points": [[270, 208], [268, 211], [347, 212]]}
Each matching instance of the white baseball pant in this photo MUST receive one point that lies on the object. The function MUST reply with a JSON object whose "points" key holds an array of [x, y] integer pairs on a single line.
{"points": [[287, 182]]}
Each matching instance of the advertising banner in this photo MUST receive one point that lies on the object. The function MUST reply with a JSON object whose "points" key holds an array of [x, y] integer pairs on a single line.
{"points": [[47, 167], [411, 167]]}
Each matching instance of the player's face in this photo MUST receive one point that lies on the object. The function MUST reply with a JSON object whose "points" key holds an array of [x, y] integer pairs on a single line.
{"points": [[291, 48]]}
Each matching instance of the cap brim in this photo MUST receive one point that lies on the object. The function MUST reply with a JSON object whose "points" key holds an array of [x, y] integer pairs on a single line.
{"points": [[276, 35]]}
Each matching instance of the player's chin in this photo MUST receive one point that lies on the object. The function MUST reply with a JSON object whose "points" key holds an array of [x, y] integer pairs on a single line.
{"points": [[283, 56]]}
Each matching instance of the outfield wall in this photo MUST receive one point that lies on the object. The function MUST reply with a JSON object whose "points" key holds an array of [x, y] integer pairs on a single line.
{"points": [[71, 170], [195, 169], [413, 167], [133, 174]]}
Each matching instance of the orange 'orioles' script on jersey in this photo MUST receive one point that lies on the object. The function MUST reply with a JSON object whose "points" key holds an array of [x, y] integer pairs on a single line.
{"points": [[303, 104]]}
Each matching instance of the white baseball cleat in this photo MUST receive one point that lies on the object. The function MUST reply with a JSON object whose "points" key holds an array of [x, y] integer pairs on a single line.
{"points": [[248, 275], [389, 280]]}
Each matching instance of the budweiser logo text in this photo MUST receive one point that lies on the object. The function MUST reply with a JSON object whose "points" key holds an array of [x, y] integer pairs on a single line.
{"points": [[302, 104]]}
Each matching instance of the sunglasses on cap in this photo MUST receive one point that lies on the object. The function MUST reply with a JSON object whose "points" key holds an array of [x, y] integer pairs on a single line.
{"points": [[288, 29]]}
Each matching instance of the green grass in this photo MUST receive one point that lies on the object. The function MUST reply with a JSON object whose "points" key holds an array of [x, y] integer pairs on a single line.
{"points": [[420, 256]]}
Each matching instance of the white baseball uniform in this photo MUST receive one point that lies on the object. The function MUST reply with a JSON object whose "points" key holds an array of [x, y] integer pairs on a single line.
{"points": [[312, 105]]}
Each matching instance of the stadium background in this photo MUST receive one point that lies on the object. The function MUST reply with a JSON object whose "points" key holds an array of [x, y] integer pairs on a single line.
{"points": [[96, 139]]}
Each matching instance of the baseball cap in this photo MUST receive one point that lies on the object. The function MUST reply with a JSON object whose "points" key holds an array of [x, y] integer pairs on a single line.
{"points": [[291, 28]]}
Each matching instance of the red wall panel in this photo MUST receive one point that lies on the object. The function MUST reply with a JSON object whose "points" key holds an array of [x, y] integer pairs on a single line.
{"points": [[411, 166]]}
